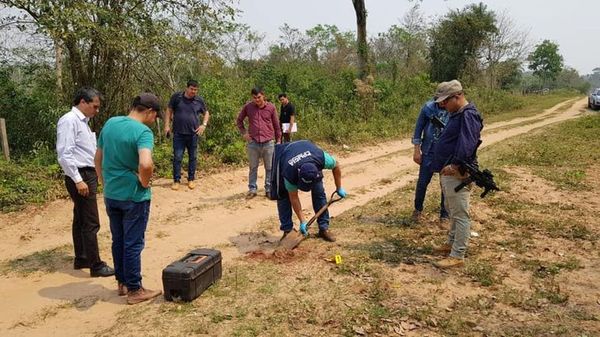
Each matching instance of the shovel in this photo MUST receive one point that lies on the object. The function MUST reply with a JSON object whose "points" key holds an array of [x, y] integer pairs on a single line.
{"points": [[293, 239]]}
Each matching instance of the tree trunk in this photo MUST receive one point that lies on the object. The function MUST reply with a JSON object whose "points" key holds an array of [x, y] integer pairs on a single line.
{"points": [[76, 64], [58, 55], [361, 34]]}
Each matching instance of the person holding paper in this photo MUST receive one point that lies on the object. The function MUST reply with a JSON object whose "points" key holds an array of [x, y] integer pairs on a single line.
{"points": [[287, 115]]}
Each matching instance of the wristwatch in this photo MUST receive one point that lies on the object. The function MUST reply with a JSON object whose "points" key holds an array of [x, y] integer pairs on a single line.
{"points": [[204, 124]]}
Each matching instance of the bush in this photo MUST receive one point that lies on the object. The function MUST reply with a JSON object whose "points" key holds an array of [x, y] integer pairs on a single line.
{"points": [[30, 107], [233, 153], [30, 180]]}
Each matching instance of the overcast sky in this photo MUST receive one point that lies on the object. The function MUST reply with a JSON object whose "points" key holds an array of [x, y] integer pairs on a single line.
{"points": [[574, 25]]}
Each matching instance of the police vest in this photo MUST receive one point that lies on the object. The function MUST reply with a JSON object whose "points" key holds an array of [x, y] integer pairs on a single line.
{"points": [[298, 153]]}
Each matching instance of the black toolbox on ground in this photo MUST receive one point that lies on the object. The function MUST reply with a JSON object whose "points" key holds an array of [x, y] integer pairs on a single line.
{"points": [[188, 277]]}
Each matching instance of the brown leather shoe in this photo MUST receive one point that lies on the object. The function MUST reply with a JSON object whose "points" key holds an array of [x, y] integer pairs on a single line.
{"points": [[191, 184], [417, 216], [444, 224], [122, 289], [326, 235], [449, 262], [444, 249], [141, 295]]}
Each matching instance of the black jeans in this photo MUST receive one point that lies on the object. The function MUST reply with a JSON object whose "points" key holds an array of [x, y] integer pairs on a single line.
{"points": [[85, 220]]}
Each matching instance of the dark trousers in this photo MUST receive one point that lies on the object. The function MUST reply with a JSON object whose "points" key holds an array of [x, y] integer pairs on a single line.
{"points": [[128, 222], [182, 142], [425, 175], [319, 199], [286, 137], [85, 220]]}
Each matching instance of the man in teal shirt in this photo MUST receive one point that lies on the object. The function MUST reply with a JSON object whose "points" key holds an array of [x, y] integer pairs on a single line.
{"points": [[124, 165]]}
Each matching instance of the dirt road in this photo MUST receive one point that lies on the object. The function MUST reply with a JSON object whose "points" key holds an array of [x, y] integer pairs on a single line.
{"points": [[69, 303]]}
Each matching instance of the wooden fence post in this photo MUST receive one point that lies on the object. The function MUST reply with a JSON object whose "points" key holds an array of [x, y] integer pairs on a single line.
{"points": [[4, 137]]}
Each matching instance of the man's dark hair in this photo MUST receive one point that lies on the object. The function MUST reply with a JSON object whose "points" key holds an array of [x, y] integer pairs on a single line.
{"points": [[87, 94], [192, 83], [283, 94], [257, 90]]}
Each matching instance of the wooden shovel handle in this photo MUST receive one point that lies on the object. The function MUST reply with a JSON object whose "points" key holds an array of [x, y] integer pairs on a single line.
{"points": [[332, 199]]}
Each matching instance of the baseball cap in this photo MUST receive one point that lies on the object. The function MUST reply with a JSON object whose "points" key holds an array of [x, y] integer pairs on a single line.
{"points": [[149, 101], [447, 89], [308, 175]]}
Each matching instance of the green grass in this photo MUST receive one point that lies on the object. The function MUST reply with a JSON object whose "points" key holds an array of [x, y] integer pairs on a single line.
{"points": [[33, 179], [45, 261], [497, 107], [542, 269], [561, 153], [483, 272]]}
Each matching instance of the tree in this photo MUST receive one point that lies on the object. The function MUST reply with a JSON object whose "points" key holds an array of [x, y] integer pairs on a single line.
{"points": [[402, 50], [545, 61], [570, 78], [293, 44], [361, 38], [594, 78], [108, 44], [457, 41], [240, 42], [504, 52], [333, 48]]}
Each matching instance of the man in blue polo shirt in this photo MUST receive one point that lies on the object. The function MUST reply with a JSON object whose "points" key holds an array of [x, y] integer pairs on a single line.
{"points": [[457, 144], [301, 164], [185, 109]]}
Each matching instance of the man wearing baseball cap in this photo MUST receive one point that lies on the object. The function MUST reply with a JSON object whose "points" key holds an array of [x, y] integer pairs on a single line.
{"points": [[124, 165], [301, 166], [457, 144]]}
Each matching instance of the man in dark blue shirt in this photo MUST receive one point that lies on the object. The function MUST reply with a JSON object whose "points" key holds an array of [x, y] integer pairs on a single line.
{"points": [[185, 109], [457, 144], [301, 165], [425, 136]]}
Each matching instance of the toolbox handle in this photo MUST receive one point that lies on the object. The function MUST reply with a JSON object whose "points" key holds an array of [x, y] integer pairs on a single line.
{"points": [[194, 258]]}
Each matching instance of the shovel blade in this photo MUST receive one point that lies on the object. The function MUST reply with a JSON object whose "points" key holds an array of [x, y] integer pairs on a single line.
{"points": [[291, 241]]}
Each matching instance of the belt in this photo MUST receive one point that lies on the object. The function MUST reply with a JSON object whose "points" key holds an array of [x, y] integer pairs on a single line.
{"points": [[268, 141], [86, 168]]}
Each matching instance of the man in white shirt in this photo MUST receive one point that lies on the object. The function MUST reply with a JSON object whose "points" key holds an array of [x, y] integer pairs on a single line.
{"points": [[76, 147]]}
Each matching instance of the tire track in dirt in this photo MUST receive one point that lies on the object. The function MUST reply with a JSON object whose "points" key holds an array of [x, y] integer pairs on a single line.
{"points": [[215, 214]]}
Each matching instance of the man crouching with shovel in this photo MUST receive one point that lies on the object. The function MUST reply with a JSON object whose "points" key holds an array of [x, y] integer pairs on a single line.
{"points": [[300, 165]]}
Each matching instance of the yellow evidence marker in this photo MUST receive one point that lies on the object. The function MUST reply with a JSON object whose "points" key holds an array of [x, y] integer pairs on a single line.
{"points": [[338, 259]]}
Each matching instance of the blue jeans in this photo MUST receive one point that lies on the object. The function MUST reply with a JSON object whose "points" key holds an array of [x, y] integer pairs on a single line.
{"points": [[256, 151], [128, 221], [458, 205], [182, 142], [425, 175], [319, 199]]}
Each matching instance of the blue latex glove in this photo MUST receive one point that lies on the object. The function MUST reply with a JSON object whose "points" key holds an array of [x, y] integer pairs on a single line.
{"points": [[341, 192], [303, 229]]}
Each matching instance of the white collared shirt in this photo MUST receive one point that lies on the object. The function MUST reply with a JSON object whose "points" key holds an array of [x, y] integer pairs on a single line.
{"points": [[75, 143]]}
